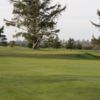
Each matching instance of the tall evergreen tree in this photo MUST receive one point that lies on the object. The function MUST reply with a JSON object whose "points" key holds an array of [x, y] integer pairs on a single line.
{"points": [[1, 30], [70, 43], [95, 41], [35, 19], [3, 39]]}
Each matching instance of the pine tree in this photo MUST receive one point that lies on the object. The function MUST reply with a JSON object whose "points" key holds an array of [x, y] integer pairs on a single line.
{"points": [[3, 39], [96, 41], [70, 43], [35, 19]]}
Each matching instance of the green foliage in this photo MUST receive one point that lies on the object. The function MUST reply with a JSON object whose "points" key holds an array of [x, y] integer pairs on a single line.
{"points": [[96, 42], [12, 43], [78, 46], [1, 30], [53, 42], [70, 44], [36, 18], [97, 25], [3, 39]]}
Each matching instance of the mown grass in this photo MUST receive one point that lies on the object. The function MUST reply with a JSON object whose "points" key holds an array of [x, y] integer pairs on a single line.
{"points": [[49, 74]]}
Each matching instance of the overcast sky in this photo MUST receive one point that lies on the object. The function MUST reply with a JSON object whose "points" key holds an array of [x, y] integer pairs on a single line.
{"points": [[74, 22]]}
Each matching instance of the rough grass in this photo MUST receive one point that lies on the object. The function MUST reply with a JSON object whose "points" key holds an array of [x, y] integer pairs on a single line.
{"points": [[49, 74]]}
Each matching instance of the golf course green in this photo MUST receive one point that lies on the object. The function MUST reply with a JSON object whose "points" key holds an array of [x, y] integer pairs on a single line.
{"points": [[49, 74]]}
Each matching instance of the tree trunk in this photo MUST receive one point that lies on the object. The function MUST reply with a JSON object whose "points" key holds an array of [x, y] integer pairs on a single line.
{"points": [[36, 45]]}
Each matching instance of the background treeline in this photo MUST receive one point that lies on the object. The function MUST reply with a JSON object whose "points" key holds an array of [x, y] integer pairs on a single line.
{"points": [[55, 42], [71, 43]]}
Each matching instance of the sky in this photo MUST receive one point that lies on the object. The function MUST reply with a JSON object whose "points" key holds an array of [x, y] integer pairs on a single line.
{"points": [[73, 23]]}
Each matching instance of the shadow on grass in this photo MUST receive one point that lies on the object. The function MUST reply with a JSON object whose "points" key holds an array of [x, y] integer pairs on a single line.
{"points": [[46, 79], [87, 56]]}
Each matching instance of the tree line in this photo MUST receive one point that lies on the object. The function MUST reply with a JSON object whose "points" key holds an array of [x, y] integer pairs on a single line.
{"points": [[55, 42]]}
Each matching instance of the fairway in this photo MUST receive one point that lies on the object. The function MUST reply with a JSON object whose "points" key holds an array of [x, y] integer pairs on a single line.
{"points": [[49, 74]]}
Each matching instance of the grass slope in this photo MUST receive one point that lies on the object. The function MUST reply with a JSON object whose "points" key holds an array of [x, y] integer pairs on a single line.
{"points": [[49, 74]]}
